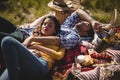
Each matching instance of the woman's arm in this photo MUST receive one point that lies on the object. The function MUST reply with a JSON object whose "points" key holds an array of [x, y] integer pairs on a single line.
{"points": [[55, 54], [51, 40], [36, 22], [40, 19]]}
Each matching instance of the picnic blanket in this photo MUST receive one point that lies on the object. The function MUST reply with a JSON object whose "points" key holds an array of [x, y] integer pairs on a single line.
{"points": [[64, 69]]}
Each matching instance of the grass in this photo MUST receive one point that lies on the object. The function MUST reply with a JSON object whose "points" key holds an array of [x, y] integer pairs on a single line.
{"points": [[26, 11], [104, 17]]}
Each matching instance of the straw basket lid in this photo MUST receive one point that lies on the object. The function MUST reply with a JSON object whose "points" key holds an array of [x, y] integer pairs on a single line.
{"points": [[62, 5], [59, 5]]}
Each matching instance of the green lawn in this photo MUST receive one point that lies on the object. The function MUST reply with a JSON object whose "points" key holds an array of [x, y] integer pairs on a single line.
{"points": [[25, 11]]}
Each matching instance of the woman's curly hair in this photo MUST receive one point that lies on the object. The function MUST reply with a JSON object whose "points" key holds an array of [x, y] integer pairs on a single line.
{"points": [[37, 30]]}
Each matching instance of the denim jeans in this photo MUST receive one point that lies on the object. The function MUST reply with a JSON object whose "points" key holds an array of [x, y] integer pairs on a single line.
{"points": [[7, 27], [21, 63]]}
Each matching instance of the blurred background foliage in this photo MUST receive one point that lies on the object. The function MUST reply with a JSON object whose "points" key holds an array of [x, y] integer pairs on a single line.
{"points": [[23, 11], [26, 11], [102, 9]]}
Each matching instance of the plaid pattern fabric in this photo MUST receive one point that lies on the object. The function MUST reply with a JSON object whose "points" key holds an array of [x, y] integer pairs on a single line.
{"points": [[27, 31], [71, 21], [69, 36]]}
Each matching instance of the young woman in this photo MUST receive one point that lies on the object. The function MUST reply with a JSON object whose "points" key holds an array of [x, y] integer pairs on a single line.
{"points": [[32, 60]]}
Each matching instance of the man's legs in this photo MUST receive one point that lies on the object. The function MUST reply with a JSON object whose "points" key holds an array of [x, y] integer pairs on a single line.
{"points": [[7, 27]]}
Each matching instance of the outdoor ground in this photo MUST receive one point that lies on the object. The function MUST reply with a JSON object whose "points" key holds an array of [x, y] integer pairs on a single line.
{"points": [[25, 11]]}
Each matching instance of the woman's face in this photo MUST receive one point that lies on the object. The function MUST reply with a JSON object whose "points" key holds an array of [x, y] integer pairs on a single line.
{"points": [[83, 28], [48, 27]]}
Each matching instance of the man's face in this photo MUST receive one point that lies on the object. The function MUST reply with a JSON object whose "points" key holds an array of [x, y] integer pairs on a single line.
{"points": [[83, 28]]}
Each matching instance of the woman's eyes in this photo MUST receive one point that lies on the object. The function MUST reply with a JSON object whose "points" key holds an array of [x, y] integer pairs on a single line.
{"points": [[47, 24]]}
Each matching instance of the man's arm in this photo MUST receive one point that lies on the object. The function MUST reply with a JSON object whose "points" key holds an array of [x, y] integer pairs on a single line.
{"points": [[84, 15]]}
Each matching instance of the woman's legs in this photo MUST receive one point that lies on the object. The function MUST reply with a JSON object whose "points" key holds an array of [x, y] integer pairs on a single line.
{"points": [[21, 63]]}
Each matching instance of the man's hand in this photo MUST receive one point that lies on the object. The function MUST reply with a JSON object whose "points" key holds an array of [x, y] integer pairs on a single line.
{"points": [[88, 45], [97, 26]]}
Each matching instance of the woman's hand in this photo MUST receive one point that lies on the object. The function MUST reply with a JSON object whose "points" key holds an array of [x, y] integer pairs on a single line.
{"points": [[41, 48], [28, 41]]}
